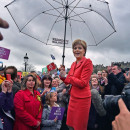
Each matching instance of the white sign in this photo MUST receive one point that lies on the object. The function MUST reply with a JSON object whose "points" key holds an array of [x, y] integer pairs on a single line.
{"points": [[59, 41]]}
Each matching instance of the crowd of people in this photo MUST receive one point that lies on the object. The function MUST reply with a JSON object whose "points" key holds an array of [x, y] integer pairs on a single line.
{"points": [[26, 104]]}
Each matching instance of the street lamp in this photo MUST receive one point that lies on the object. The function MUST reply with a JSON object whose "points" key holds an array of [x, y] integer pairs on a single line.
{"points": [[26, 60]]}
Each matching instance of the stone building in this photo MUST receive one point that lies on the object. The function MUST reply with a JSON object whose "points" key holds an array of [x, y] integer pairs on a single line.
{"points": [[101, 67]]}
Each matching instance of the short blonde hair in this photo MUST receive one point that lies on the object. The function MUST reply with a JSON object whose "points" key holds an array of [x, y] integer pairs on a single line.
{"points": [[83, 43]]}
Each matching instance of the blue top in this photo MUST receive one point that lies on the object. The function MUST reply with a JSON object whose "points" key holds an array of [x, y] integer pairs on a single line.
{"points": [[43, 97]]}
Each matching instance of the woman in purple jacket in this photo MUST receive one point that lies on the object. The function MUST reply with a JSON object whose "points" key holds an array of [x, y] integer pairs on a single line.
{"points": [[6, 104]]}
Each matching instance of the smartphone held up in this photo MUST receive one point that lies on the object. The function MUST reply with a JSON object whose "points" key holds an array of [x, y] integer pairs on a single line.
{"points": [[8, 77]]}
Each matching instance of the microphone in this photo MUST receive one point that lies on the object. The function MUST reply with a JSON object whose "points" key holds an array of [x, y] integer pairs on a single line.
{"points": [[97, 102]]}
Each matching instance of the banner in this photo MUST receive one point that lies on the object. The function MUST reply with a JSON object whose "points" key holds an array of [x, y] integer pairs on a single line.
{"points": [[4, 53], [57, 112], [24, 73], [51, 66]]}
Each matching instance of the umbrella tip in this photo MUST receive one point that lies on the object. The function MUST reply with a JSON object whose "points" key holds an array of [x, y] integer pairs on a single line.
{"points": [[107, 2], [67, 6]]}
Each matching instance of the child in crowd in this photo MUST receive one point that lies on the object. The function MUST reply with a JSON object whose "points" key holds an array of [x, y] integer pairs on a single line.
{"points": [[47, 124], [45, 87]]}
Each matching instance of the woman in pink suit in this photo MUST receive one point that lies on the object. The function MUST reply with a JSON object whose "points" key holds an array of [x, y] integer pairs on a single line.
{"points": [[80, 95]]}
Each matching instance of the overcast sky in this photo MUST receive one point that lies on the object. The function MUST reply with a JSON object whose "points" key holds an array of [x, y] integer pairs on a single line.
{"points": [[114, 48]]}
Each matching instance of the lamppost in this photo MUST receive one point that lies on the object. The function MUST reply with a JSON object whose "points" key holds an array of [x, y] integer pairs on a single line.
{"points": [[26, 60]]}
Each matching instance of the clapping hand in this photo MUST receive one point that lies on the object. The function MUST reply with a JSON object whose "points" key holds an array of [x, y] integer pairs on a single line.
{"points": [[109, 69], [62, 73], [64, 91], [45, 90], [127, 77], [105, 80], [7, 86]]}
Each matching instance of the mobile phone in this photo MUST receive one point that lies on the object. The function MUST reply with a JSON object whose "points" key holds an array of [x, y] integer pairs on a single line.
{"points": [[1, 125], [8, 76], [19, 75]]}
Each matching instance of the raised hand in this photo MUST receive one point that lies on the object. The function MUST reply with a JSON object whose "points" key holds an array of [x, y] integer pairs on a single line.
{"points": [[7, 86], [109, 69], [4, 87], [62, 73], [127, 77]]}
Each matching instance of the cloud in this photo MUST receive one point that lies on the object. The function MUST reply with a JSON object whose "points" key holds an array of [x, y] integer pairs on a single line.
{"points": [[114, 48]]}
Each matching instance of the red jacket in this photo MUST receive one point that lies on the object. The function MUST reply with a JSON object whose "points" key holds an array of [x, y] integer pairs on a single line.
{"points": [[28, 110], [79, 76]]}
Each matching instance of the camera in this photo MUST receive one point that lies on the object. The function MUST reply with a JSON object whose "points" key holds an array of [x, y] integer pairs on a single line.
{"points": [[110, 102]]}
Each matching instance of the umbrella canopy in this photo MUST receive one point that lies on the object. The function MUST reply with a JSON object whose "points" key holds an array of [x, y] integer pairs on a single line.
{"points": [[59, 22]]}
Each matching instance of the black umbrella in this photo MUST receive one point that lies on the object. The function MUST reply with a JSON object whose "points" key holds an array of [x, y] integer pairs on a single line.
{"points": [[59, 22]]}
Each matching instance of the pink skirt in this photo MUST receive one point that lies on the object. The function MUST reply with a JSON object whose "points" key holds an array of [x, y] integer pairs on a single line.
{"points": [[78, 113]]}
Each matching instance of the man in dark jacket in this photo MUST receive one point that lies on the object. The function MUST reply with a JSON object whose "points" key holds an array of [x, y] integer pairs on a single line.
{"points": [[116, 80]]}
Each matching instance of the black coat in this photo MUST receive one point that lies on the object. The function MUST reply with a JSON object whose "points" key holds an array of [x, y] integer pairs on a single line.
{"points": [[116, 84]]}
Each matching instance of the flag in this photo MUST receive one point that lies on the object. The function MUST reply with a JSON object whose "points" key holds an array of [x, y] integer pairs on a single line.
{"points": [[51, 66], [53, 57], [58, 72], [4, 53], [44, 69]]}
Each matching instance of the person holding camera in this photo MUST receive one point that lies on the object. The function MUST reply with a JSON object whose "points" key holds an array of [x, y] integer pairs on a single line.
{"points": [[122, 120], [113, 110], [6, 104]]}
